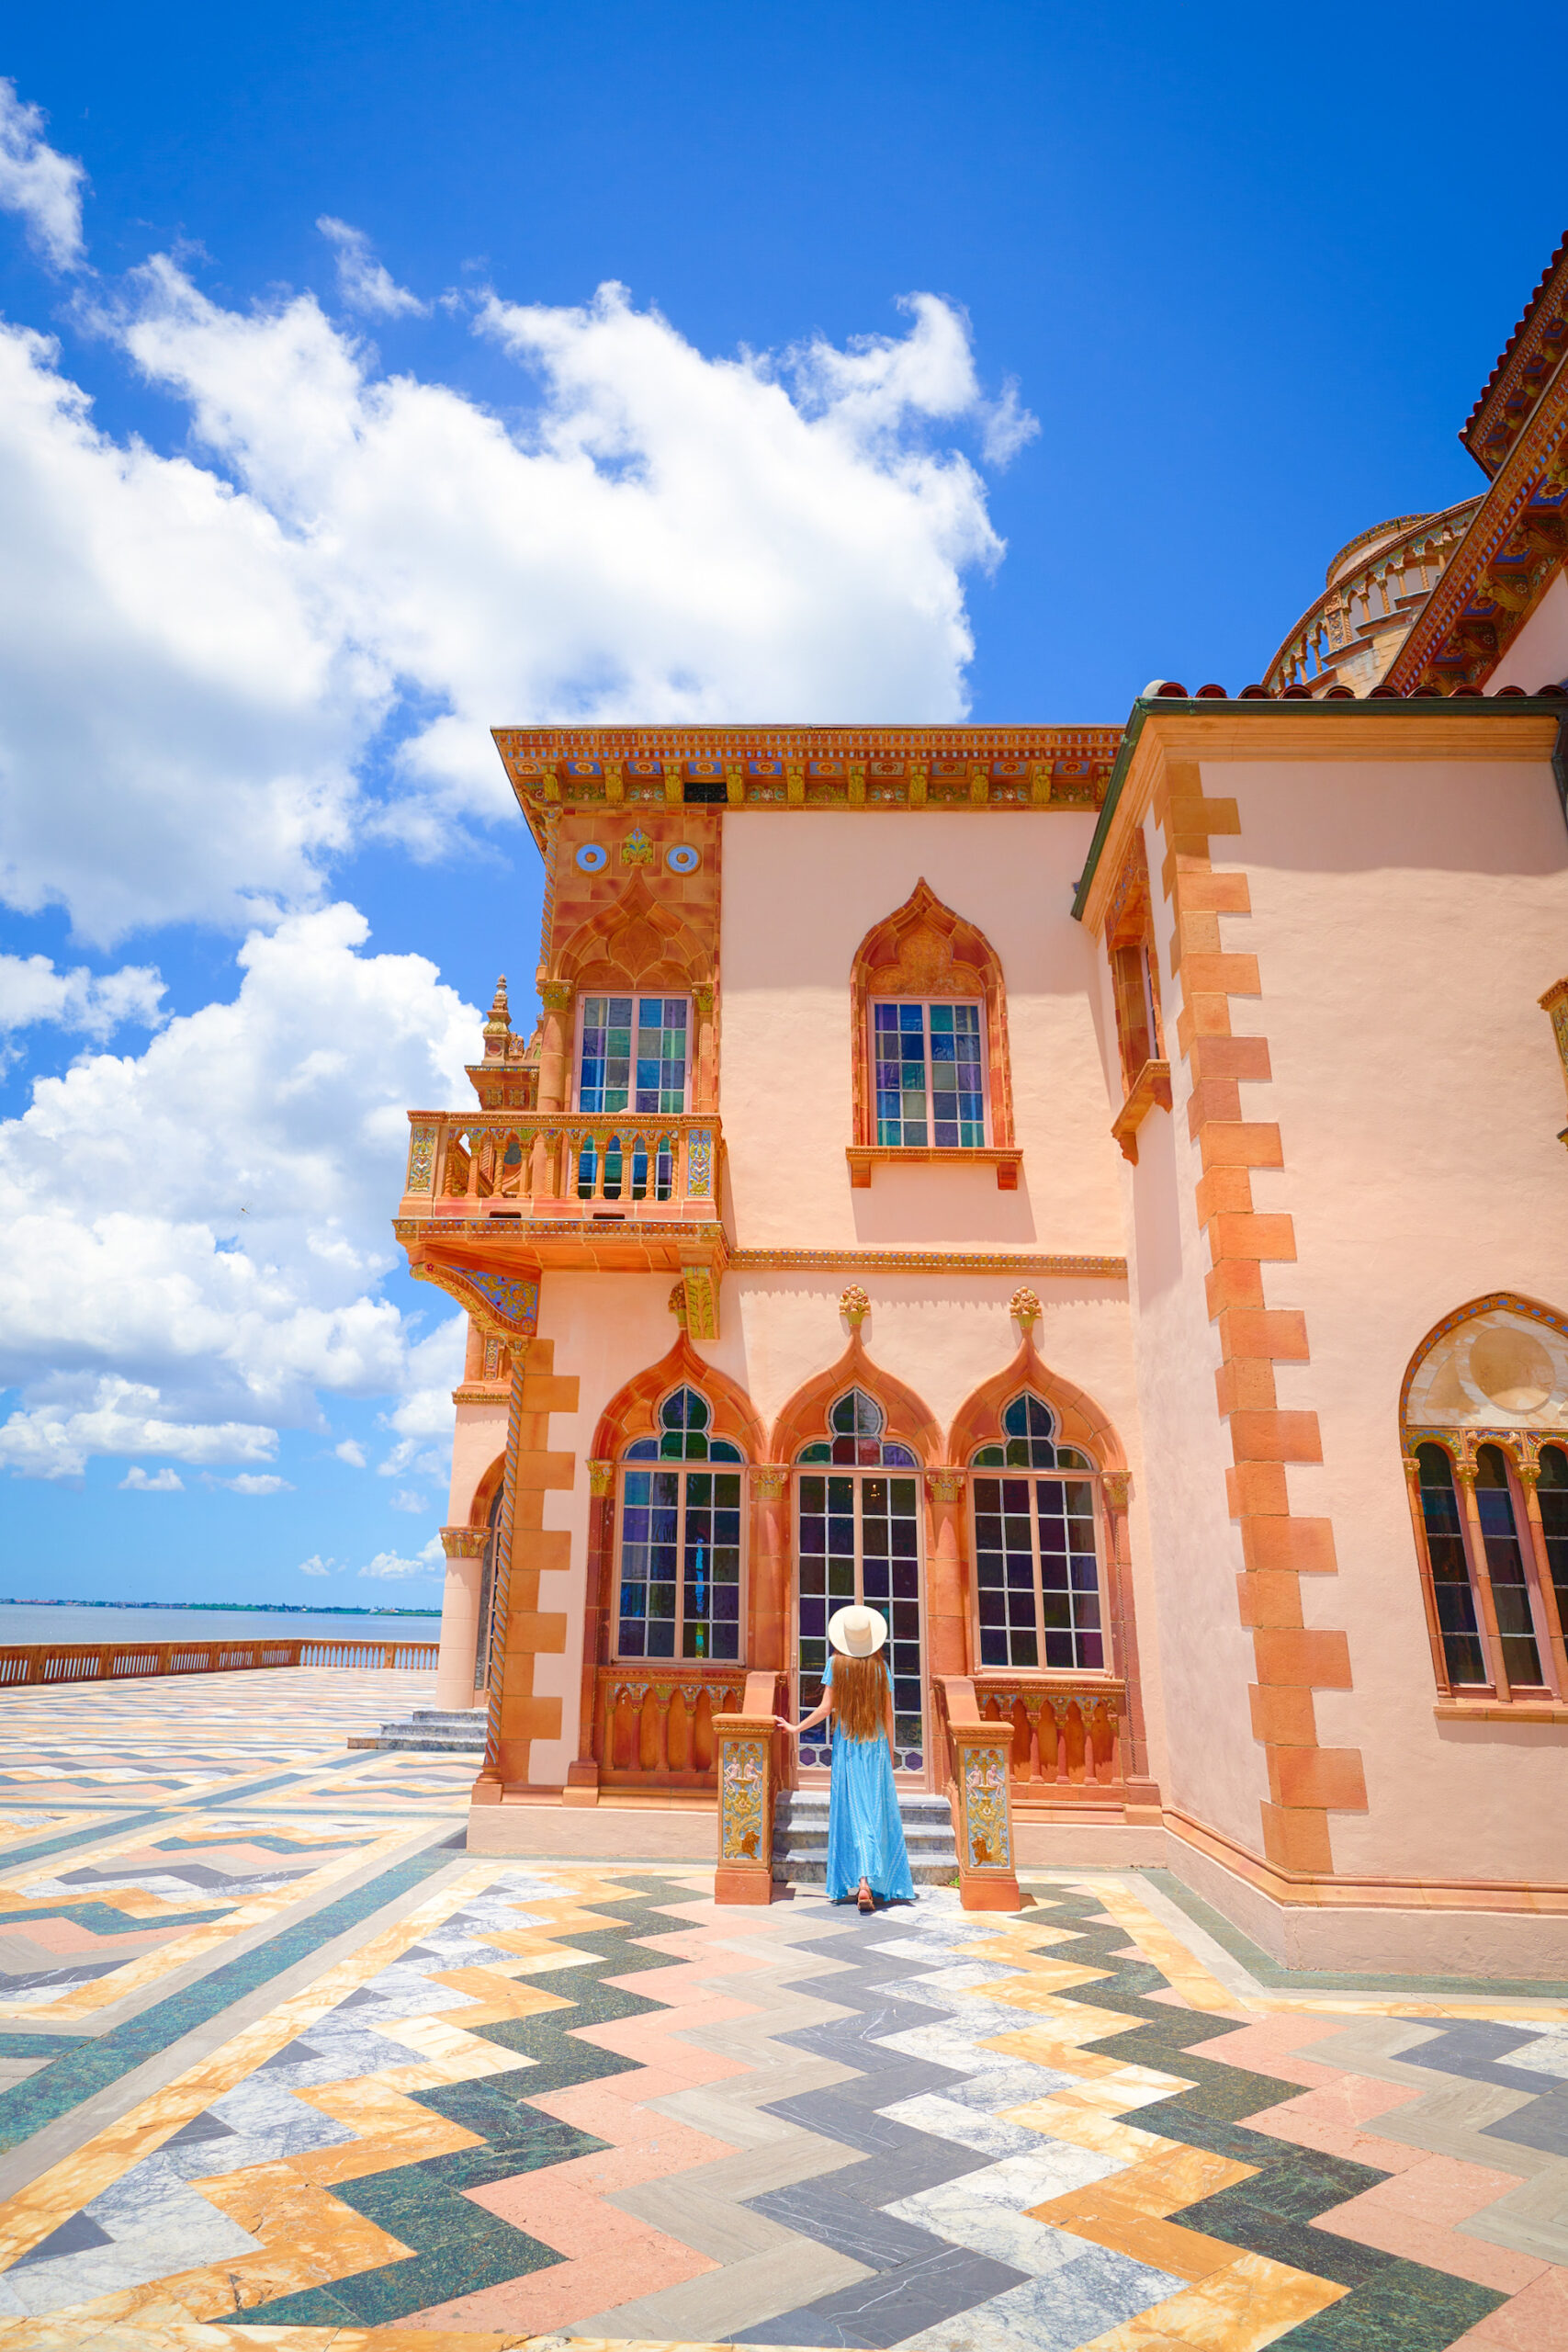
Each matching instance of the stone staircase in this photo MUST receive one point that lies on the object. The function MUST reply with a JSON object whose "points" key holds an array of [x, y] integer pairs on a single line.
{"points": [[800, 1838], [434, 1731]]}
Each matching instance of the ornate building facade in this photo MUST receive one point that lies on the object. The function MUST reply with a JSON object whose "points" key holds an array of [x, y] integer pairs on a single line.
{"points": [[1095, 1194]]}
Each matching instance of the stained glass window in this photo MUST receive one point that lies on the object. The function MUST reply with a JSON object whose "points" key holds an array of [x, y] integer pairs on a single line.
{"points": [[1552, 1493], [1505, 1568], [1462, 1654], [860, 1540], [929, 1073], [680, 1574], [635, 1054], [1036, 1560]]}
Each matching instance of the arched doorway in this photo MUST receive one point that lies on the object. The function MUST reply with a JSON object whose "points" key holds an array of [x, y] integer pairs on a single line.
{"points": [[860, 1537]]}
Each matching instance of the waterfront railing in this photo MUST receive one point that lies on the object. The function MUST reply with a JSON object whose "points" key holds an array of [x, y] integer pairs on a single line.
{"points": [[36, 1662]]}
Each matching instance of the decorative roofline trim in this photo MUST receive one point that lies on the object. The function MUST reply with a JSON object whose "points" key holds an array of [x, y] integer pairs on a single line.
{"points": [[1005, 1263]]}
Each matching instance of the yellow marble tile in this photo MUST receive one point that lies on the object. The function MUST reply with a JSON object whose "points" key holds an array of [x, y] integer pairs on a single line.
{"points": [[1164, 1949], [393, 2129], [1366, 2005], [66, 2187], [1247, 2304], [1179, 2176], [1087, 2126]]}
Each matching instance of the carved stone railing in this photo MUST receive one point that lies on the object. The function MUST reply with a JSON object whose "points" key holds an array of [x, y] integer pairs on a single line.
{"points": [[563, 1166], [1068, 1734], [653, 1725], [747, 1782], [973, 1755], [1389, 589], [47, 1662]]}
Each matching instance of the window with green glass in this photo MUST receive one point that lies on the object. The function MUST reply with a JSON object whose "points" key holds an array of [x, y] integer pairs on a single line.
{"points": [[929, 1073], [1458, 1625], [1505, 1568], [1552, 1494], [635, 1054], [1036, 1558], [679, 1565]]}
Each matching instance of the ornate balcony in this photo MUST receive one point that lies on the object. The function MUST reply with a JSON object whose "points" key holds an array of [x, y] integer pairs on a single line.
{"points": [[567, 1187], [1351, 635]]}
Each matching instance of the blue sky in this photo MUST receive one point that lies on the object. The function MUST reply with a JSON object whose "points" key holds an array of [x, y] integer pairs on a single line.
{"points": [[318, 528]]}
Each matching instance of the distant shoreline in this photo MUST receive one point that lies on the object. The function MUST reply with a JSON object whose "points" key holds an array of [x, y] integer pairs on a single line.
{"points": [[230, 1608]]}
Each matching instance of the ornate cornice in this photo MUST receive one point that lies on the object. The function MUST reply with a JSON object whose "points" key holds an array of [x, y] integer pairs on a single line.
{"points": [[1519, 539], [923, 1261], [1530, 353]]}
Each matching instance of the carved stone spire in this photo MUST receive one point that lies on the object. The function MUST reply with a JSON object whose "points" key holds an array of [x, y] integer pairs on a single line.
{"points": [[498, 1028]]}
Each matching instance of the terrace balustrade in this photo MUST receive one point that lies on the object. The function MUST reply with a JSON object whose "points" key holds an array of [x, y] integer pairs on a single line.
{"points": [[564, 1168]]}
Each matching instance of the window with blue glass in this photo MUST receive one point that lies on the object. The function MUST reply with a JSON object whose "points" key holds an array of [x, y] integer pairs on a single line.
{"points": [[1036, 1555], [859, 1540], [929, 1071], [679, 1565], [635, 1054]]}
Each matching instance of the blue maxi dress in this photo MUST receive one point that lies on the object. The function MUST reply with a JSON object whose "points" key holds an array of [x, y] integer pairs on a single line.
{"points": [[866, 1836]]}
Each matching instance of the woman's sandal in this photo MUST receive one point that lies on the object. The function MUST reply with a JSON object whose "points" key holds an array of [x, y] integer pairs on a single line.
{"points": [[865, 1900]]}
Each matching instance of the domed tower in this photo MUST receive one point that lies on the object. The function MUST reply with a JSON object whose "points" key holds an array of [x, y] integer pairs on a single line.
{"points": [[1378, 586]]}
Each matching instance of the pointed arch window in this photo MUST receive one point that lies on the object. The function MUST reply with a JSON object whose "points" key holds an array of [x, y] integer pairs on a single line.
{"points": [[859, 1540], [680, 1570], [1443, 1525], [1037, 1572]]}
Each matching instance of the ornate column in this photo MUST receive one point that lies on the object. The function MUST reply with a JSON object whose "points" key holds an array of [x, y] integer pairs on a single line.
{"points": [[556, 997], [582, 1777], [465, 1550], [704, 1059], [768, 1615], [1529, 1479], [947, 1578], [1480, 1574]]}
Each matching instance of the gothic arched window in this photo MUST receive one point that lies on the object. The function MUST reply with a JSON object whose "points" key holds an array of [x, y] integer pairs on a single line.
{"points": [[680, 1549], [860, 1540], [1036, 1552]]}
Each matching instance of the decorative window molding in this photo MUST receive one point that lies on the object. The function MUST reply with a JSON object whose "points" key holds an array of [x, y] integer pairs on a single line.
{"points": [[1135, 979], [679, 1552], [1554, 1004], [924, 955], [1037, 1555], [1484, 1417]]}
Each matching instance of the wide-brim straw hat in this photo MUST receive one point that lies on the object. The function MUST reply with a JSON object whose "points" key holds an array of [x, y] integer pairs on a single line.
{"points": [[856, 1631]]}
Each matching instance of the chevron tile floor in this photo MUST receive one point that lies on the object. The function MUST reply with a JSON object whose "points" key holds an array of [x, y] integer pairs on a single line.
{"points": [[282, 2065]]}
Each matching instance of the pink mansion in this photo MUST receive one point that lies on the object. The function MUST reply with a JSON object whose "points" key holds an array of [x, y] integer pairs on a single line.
{"points": [[1098, 1195]]}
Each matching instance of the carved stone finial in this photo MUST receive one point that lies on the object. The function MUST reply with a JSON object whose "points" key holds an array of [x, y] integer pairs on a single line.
{"points": [[1024, 1307], [855, 1305], [498, 1027]]}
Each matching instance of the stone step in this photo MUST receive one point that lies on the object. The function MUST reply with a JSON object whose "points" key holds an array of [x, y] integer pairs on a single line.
{"points": [[800, 1836], [459, 1738], [794, 1869]]}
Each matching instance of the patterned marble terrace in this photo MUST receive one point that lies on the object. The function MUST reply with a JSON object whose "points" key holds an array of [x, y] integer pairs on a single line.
{"points": [[282, 2065]]}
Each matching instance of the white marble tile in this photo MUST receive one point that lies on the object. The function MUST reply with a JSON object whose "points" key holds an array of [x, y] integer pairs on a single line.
{"points": [[1013, 2085], [156, 2227], [1068, 2307], [946, 2119], [1547, 2055], [952, 2211]]}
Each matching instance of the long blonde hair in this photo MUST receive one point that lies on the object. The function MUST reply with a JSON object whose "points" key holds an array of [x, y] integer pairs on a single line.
{"points": [[860, 1695]]}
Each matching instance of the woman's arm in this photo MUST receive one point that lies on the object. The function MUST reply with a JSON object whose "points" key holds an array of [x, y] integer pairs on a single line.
{"points": [[818, 1714], [888, 1718]]}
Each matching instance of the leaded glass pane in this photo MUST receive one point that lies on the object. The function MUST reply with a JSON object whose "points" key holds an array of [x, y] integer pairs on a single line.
{"points": [[604, 1072], [684, 1519], [1462, 1653], [1552, 1493], [859, 1540], [1506, 1567], [662, 1028], [1031, 1427], [928, 1074]]}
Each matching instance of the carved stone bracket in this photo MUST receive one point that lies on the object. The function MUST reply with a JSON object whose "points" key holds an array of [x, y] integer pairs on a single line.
{"points": [[1116, 1484], [945, 1485], [464, 1542], [770, 1480]]}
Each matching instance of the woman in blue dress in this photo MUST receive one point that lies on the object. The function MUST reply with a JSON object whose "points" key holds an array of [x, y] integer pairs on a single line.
{"points": [[865, 1837]]}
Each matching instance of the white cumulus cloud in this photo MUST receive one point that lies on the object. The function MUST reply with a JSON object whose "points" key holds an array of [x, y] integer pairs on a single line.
{"points": [[54, 1442], [166, 1482], [40, 185], [95, 1004], [200, 654], [365, 283], [251, 1482], [197, 1236], [392, 1565], [351, 1451]]}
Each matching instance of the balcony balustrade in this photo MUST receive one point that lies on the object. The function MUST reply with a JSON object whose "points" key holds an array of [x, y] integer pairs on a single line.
{"points": [[564, 1168], [653, 1727], [1335, 640], [1066, 1736]]}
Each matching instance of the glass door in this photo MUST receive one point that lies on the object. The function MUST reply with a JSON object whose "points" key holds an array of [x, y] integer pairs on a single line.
{"points": [[858, 1539]]}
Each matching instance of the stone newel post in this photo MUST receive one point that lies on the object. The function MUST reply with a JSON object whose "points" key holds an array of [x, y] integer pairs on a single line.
{"points": [[746, 1781]]}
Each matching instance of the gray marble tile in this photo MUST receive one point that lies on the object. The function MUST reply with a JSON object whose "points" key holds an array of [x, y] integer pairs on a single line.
{"points": [[891, 2306], [953, 2210], [1011, 2084], [1070, 2306], [867, 2235], [151, 2225]]}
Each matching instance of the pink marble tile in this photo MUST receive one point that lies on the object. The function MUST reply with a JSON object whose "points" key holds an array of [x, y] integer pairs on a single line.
{"points": [[1414, 2213], [1535, 2321], [1330, 2119], [1268, 2047]]}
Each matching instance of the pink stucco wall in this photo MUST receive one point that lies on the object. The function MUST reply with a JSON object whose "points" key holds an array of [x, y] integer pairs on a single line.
{"points": [[1406, 916]]}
